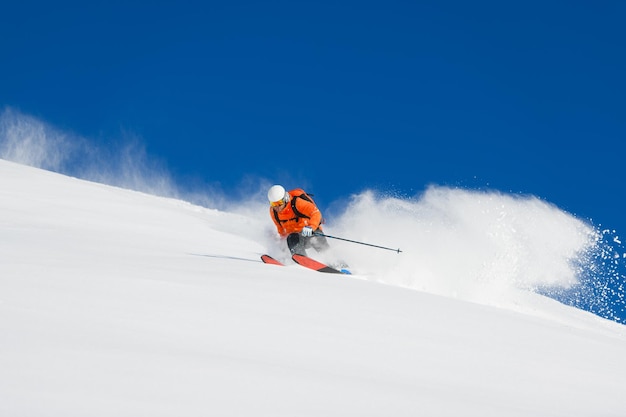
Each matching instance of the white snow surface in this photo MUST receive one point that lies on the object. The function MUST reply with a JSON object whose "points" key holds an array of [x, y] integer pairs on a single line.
{"points": [[119, 303]]}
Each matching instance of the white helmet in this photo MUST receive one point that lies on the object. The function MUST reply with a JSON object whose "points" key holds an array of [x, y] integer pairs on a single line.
{"points": [[276, 193]]}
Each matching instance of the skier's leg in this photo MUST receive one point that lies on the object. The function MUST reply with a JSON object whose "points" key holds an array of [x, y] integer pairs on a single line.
{"points": [[319, 243], [296, 244]]}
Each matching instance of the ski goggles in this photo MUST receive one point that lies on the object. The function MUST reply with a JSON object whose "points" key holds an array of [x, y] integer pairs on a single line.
{"points": [[278, 203]]}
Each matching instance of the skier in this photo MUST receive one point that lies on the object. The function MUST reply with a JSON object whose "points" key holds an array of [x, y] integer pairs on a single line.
{"points": [[297, 218]]}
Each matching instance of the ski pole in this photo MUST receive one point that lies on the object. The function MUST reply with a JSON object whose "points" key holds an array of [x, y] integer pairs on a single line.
{"points": [[354, 241]]}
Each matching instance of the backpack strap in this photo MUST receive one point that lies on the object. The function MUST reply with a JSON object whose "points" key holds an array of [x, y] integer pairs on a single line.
{"points": [[279, 221], [297, 212]]}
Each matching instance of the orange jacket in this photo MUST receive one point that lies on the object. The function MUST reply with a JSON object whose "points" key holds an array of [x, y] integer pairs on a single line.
{"points": [[288, 222]]}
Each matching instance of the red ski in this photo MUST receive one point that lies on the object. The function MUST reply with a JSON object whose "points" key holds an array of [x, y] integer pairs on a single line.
{"points": [[269, 260], [313, 264], [307, 263]]}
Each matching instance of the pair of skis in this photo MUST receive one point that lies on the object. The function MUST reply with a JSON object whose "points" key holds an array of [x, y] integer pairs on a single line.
{"points": [[306, 262]]}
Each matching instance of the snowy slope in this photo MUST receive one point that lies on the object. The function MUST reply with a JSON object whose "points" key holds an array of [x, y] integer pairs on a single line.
{"points": [[118, 303]]}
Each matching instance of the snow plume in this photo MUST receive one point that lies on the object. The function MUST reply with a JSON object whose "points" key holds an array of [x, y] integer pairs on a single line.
{"points": [[25, 140], [602, 285], [128, 166], [486, 247], [29, 141]]}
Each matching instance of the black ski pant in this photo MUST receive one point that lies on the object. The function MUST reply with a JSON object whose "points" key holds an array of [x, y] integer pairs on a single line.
{"points": [[299, 244]]}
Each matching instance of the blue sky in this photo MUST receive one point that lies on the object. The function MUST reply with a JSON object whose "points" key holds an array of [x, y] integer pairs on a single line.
{"points": [[524, 97]]}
